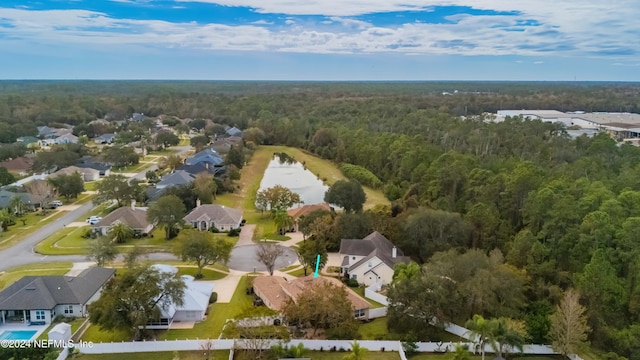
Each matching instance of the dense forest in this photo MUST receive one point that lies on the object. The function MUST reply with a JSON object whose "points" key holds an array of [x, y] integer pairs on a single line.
{"points": [[566, 213]]}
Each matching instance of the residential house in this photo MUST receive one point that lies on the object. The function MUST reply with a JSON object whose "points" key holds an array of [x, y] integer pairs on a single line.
{"points": [[27, 140], [44, 131], [20, 165], [88, 162], [207, 216], [52, 133], [177, 178], [46, 142], [275, 292], [66, 139], [31, 202], [370, 260], [195, 302], [132, 216], [137, 117], [39, 299], [301, 211], [223, 145], [88, 174], [105, 139], [234, 131], [203, 167], [206, 156]]}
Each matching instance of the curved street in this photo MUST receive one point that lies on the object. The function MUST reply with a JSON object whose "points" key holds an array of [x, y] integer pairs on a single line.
{"points": [[22, 253]]}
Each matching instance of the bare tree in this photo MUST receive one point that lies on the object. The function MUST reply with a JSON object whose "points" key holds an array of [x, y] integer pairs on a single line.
{"points": [[207, 347], [569, 324], [268, 254], [43, 190]]}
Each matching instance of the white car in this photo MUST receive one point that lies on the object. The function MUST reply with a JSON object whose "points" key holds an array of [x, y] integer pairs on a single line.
{"points": [[56, 203], [94, 220]]}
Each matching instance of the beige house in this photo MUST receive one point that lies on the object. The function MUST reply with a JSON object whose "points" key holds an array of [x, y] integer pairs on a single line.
{"points": [[275, 292], [134, 217], [301, 211], [207, 216], [370, 260], [88, 174]]}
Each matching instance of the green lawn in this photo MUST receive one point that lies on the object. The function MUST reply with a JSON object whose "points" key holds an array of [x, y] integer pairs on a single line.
{"points": [[377, 330], [339, 355], [374, 304], [443, 356], [75, 324], [218, 315], [96, 335], [163, 355], [209, 274], [69, 241], [90, 186], [10, 276], [300, 272], [32, 222]]}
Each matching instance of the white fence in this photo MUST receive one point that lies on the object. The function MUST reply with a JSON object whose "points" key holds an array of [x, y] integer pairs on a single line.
{"points": [[63, 354], [377, 313], [151, 346], [370, 294]]}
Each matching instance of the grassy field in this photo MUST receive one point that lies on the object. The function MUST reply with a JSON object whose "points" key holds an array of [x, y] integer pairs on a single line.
{"points": [[377, 330], [163, 355], [32, 222], [208, 274], [251, 176], [444, 356], [374, 304], [339, 355], [10, 276], [218, 315], [69, 241]]}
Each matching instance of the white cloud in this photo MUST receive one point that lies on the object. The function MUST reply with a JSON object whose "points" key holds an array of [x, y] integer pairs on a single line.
{"points": [[538, 62], [567, 28]]}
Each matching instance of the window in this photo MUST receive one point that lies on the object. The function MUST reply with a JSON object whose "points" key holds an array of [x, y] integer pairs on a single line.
{"points": [[68, 309], [369, 264], [359, 313], [40, 315], [354, 276], [221, 227]]}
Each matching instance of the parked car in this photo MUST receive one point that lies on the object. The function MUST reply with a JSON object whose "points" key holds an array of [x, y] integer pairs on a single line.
{"points": [[56, 203], [94, 220]]}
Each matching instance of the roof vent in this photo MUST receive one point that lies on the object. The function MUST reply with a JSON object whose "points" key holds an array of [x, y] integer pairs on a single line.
{"points": [[30, 288]]}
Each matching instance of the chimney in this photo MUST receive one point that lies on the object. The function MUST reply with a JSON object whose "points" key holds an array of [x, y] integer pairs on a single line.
{"points": [[394, 252], [198, 203], [133, 204]]}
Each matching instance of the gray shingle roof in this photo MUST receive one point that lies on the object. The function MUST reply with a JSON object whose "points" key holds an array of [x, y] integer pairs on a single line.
{"points": [[219, 214], [177, 178], [374, 244], [45, 292], [135, 218]]}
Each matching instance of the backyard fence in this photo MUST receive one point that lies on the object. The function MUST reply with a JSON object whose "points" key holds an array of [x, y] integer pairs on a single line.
{"points": [[377, 313], [370, 294]]}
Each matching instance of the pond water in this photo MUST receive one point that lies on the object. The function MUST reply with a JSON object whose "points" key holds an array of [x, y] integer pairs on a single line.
{"points": [[285, 171]]}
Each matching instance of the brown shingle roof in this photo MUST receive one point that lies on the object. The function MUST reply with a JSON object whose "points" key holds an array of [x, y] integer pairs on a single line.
{"points": [[277, 290], [296, 213], [18, 164], [136, 218]]}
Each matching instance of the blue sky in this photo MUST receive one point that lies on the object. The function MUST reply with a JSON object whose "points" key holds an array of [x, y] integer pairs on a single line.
{"points": [[321, 39]]}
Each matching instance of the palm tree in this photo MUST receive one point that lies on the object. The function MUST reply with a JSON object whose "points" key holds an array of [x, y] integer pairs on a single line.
{"points": [[297, 351], [507, 336], [461, 353], [283, 221], [357, 352], [6, 219], [121, 232], [482, 330], [17, 205]]}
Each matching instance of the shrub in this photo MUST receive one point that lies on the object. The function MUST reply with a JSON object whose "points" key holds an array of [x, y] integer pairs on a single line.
{"points": [[352, 283], [213, 298], [214, 230], [361, 175], [234, 232], [87, 233]]}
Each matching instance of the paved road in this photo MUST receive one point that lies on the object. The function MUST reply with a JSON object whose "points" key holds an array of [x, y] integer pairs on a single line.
{"points": [[22, 253]]}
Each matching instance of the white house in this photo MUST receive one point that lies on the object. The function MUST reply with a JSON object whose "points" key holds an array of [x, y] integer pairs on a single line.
{"points": [[39, 299], [370, 260], [207, 216], [195, 301]]}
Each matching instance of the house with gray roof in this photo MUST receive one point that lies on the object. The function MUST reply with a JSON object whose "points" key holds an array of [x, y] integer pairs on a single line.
{"points": [[31, 202], [234, 131], [177, 178], [370, 260], [132, 216], [66, 139], [207, 216], [209, 156], [39, 299], [105, 139]]}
